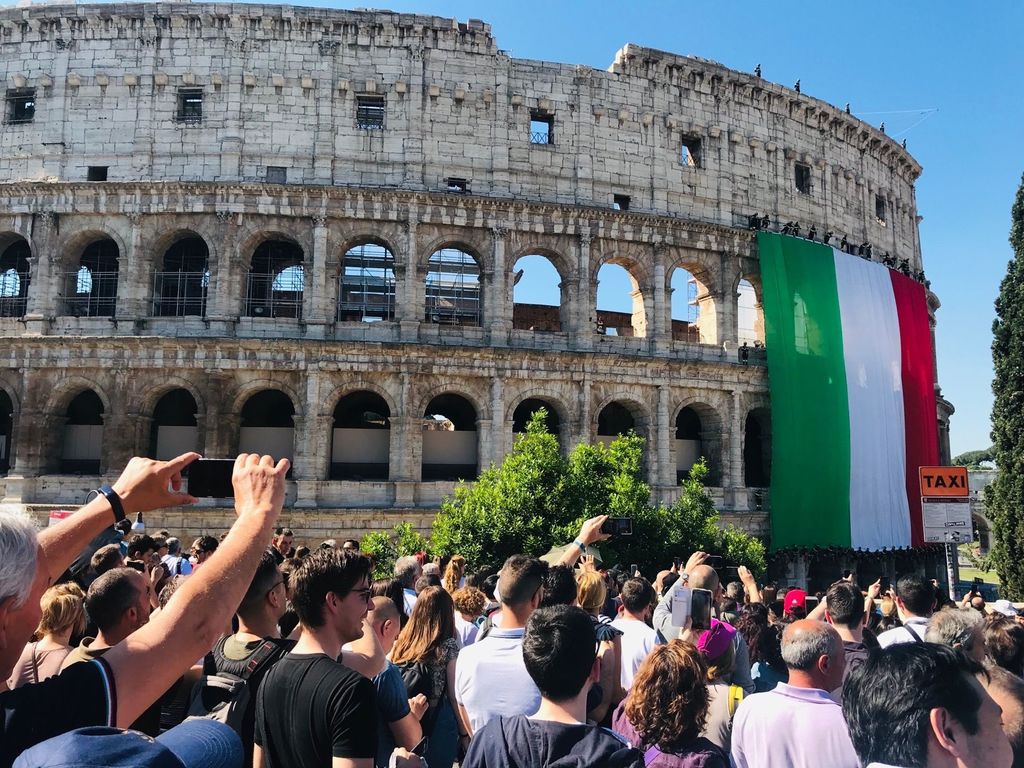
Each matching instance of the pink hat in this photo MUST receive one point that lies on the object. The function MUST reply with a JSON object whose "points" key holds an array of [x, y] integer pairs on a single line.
{"points": [[795, 598], [713, 642]]}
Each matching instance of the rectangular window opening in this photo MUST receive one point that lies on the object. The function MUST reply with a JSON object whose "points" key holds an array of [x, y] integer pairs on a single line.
{"points": [[689, 152], [803, 178], [456, 184], [190, 105], [880, 209], [370, 112], [542, 128], [277, 174], [96, 173], [21, 105], [620, 202]]}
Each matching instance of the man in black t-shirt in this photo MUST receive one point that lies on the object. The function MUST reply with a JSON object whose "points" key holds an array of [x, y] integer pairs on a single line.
{"points": [[310, 709]]}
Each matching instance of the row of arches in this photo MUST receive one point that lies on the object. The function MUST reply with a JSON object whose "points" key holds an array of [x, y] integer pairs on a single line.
{"points": [[276, 283], [360, 440]]}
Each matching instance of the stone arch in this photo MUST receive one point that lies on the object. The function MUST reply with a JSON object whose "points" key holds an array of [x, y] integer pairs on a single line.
{"points": [[75, 240], [276, 276], [172, 434], [450, 449], [694, 285], [534, 316], [564, 265], [478, 399], [639, 320], [165, 238], [8, 417], [253, 236], [746, 287], [182, 291], [454, 286], [243, 392], [710, 440], [356, 385], [92, 258], [638, 411], [277, 437], [548, 394], [478, 248], [15, 273], [367, 280], [65, 390], [83, 433], [757, 451], [361, 446], [150, 396]]}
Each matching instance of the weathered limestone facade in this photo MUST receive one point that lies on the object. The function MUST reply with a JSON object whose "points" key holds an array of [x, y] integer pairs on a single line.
{"points": [[375, 118]]}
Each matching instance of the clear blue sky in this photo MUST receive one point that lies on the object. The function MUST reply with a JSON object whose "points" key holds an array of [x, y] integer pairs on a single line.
{"points": [[965, 60]]}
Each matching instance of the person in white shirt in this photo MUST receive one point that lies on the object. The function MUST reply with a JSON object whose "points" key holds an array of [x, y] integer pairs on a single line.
{"points": [[915, 602], [638, 637]]}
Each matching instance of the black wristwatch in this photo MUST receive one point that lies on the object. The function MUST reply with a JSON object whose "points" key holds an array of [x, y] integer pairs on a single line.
{"points": [[113, 499]]}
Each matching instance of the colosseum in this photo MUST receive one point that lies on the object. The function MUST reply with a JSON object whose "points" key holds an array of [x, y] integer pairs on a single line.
{"points": [[297, 230]]}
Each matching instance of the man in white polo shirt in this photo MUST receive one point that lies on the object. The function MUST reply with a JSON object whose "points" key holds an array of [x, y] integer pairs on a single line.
{"points": [[915, 602], [638, 639], [491, 677]]}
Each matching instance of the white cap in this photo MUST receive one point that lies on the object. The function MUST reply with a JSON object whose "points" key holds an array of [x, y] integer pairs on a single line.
{"points": [[1004, 607]]}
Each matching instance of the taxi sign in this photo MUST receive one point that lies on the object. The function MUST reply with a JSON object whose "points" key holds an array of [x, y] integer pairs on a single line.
{"points": [[944, 482]]}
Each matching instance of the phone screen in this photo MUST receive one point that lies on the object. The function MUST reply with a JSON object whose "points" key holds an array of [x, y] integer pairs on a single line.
{"points": [[810, 603], [700, 609], [618, 526], [884, 584], [211, 478], [680, 605]]}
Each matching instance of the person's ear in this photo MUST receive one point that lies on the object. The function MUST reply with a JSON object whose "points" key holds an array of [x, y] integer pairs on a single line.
{"points": [[824, 663], [945, 730], [828, 617]]}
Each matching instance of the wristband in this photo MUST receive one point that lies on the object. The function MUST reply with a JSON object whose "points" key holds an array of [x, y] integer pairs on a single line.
{"points": [[115, 502], [581, 545]]}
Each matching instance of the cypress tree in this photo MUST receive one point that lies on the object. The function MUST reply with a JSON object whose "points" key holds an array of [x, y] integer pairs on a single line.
{"points": [[1005, 497]]}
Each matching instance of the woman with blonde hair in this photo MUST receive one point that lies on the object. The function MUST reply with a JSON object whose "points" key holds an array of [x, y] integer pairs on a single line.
{"points": [[425, 652], [63, 615], [454, 574], [667, 709], [591, 594]]}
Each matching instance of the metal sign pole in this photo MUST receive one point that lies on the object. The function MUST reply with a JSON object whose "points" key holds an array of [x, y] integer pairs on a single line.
{"points": [[951, 565]]}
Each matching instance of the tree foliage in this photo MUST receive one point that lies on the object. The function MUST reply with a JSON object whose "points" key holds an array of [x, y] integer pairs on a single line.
{"points": [[538, 498], [1005, 496], [973, 459], [386, 548]]}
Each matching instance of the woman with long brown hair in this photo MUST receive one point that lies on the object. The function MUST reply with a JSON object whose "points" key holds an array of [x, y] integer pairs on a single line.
{"points": [[667, 708], [425, 651], [454, 574]]}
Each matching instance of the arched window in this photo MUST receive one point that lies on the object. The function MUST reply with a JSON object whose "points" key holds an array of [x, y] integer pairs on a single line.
{"points": [[267, 425], [366, 285], [361, 439], [14, 278], [757, 449], [449, 439], [275, 281], [453, 288], [174, 430], [6, 432], [179, 289], [524, 412], [749, 320], [620, 303], [614, 420], [91, 290], [83, 435], [536, 295]]}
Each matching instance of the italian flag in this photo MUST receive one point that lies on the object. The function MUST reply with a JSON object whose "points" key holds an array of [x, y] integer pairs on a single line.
{"points": [[852, 379]]}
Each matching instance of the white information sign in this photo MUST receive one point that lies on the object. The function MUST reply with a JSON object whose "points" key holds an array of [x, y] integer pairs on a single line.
{"points": [[946, 520]]}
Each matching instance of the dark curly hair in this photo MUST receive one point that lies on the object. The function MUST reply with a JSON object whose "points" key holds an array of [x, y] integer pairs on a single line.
{"points": [[668, 703], [764, 641]]}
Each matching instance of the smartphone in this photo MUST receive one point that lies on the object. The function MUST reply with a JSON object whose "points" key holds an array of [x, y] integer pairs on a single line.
{"points": [[211, 478], [884, 583], [421, 747], [714, 561], [700, 609], [616, 526], [680, 604], [138, 565], [810, 603], [976, 586], [677, 562], [633, 568]]}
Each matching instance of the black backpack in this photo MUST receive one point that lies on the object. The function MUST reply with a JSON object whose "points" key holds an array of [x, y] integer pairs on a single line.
{"points": [[417, 678], [228, 697]]}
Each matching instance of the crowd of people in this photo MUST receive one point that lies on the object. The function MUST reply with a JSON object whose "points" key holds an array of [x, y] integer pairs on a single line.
{"points": [[252, 649]]}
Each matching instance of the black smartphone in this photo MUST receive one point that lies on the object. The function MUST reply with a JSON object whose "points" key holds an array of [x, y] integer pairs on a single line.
{"points": [[211, 478], [138, 565], [884, 583], [714, 561], [633, 568], [677, 562], [618, 526], [700, 609], [421, 747], [810, 603], [976, 586]]}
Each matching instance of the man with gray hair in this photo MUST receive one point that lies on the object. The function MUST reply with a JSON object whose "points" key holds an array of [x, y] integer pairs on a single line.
{"points": [[1007, 690], [798, 724], [407, 570], [962, 629], [176, 564]]}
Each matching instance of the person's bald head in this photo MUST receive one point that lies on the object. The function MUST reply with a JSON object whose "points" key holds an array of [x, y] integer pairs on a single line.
{"points": [[705, 577], [386, 622], [813, 652]]}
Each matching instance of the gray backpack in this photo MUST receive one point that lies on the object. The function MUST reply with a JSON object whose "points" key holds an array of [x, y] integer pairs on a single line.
{"points": [[229, 696]]}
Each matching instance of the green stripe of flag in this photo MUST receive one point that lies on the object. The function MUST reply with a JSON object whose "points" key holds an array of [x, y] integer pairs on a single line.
{"points": [[810, 491]]}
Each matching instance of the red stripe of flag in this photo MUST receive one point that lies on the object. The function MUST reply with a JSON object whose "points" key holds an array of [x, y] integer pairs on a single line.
{"points": [[920, 419]]}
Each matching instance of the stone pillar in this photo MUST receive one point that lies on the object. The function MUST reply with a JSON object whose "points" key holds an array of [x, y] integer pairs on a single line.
{"points": [[497, 315], [226, 276], [733, 477], [317, 303], [585, 430], [406, 447], [409, 289], [662, 326], [662, 439], [728, 315], [45, 281], [584, 320], [313, 431], [499, 425], [31, 432], [133, 280], [119, 437]]}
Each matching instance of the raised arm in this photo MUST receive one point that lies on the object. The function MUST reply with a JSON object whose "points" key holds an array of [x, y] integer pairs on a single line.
{"points": [[749, 585], [590, 532], [144, 485], [150, 659]]}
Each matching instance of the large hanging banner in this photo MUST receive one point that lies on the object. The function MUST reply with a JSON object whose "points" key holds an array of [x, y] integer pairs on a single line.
{"points": [[852, 380]]}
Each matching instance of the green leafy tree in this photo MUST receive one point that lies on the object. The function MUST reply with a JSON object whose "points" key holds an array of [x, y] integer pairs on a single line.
{"points": [[381, 548], [973, 459], [538, 499], [1005, 496]]}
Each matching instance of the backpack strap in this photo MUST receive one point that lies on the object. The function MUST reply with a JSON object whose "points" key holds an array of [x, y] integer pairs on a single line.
{"points": [[736, 694], [913, 633], [259, 659]]}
